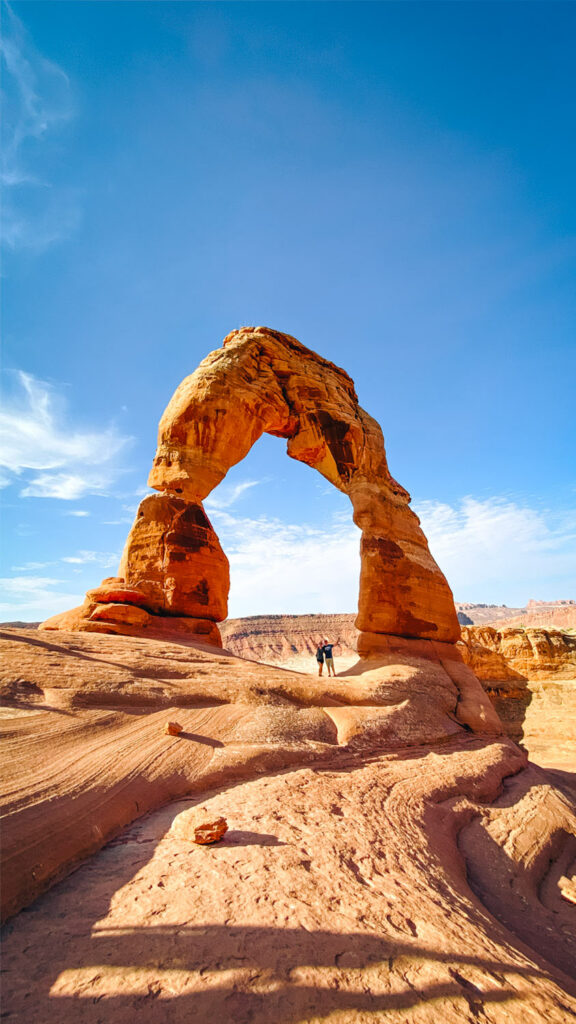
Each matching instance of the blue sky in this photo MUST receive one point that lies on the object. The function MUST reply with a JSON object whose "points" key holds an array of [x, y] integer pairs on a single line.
{"points": [[392, 183]]}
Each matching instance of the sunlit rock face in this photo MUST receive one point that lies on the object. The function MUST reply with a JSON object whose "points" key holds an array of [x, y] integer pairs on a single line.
{"points": [[261, 381]]}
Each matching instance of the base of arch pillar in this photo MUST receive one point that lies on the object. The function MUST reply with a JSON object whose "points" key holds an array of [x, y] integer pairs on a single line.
{"points": [[127, 620], [379, 645]]}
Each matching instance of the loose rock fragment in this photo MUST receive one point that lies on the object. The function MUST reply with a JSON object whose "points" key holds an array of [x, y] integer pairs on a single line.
{"points": [[567, 887], [199, 826], [173, 728], [210, 831]]}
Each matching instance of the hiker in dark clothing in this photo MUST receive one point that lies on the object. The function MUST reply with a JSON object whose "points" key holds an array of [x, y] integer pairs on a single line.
{"points": [[320, 657], [327, 649]]}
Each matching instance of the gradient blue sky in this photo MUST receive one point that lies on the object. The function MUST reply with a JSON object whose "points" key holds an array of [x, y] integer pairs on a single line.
{"points": [[392, 183]]}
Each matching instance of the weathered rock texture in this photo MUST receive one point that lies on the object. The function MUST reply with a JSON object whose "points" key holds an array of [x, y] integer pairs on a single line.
{"points": [[530, 677], [381, 862], [71, 696], [508, 653], [262, 381], [201, 827]]}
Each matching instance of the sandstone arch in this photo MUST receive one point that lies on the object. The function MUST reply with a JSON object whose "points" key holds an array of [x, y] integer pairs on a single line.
{"points": [[174, 574]]}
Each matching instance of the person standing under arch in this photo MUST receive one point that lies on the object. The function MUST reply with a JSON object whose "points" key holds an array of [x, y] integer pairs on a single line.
{"points": [[328, 655], [320, 657]]}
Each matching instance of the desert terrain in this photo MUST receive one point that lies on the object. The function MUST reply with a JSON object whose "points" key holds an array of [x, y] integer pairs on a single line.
{"points": [[397, 850], [380, 857]]}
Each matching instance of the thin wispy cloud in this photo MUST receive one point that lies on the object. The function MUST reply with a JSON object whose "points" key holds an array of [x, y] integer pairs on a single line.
{"points": [[37, 102], [227, 495], [492, 550], [497, 550], [29, 598], [31, 566], [36, 435], [107, 559], [280, 567]]}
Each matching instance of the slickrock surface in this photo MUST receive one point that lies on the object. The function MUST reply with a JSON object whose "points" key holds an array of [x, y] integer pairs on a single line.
{"points": [[85, 744], [174, 574], [529, 675], [338, 893], [290, 641], [388, 853]]}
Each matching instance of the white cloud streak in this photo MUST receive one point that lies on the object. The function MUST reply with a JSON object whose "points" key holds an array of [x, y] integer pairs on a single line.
{"points": [[496, 550], [35, 435], [491, 550], [225, 496], [37, 102], [108, 559], [284, 567], [31, 598]]}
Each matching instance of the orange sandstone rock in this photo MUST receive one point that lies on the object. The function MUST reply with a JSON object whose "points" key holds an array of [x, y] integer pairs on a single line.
{"points": [[514, 653], [119, 593], [210, 831], [173, 728], [173, 555], [199, 826], [261, 381], [567, 888], [129, 620]]}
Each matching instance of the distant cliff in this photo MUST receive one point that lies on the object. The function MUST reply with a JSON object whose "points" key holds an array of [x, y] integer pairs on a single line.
{"points": [[291, 640]]}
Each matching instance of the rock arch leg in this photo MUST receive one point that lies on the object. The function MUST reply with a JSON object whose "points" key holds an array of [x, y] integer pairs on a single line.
{"points": [[261, 381]]}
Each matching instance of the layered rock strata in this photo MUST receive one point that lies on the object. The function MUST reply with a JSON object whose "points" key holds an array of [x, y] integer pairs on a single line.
{"points": [[381, 862], [291, 640], [262, 381], [513, 653], [530, 677]]}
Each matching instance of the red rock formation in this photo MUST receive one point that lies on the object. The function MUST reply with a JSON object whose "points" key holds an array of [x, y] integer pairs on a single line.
{"points": [[199, 826], [541, 617], [262, 381], [507, 653], [530, 677]]}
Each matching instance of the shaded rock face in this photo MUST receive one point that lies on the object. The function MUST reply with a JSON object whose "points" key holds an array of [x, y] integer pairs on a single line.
{"points": [[174, 556], [530, 677], [262, 381], [513, 653]]}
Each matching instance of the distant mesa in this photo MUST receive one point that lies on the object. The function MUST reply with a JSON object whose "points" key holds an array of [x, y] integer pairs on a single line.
{"points": [[464, 619], [173, 578]]}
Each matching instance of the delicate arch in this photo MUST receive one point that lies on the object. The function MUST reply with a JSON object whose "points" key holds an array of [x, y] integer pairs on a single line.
{"points": [[261, 381]]}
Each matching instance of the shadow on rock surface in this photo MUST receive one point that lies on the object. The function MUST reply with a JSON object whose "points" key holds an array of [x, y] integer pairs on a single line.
{"points": [[260, 975]]}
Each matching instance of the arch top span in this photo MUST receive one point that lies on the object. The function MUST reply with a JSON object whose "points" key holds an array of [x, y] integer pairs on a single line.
{"points": [[261, 381]]}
